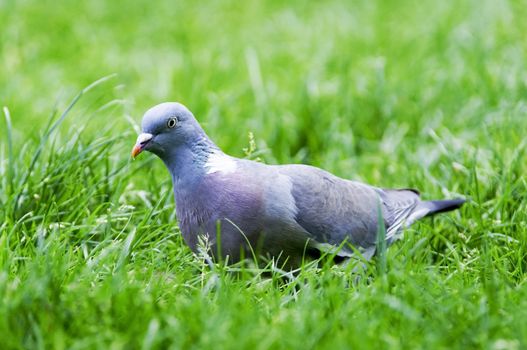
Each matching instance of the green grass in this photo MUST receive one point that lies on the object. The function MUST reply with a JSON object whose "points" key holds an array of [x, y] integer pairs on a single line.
{"points": [[430, 95]]}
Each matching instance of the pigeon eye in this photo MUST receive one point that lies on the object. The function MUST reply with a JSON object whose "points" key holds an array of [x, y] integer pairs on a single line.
{"points": [[171, 123]]}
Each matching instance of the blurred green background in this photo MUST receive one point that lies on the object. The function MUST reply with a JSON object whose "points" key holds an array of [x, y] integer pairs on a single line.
{"points": [[424, 94], [306, 77]]}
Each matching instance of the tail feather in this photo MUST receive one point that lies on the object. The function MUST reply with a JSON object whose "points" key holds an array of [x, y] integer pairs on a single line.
{"points": [[441, 206], [428, 208]]}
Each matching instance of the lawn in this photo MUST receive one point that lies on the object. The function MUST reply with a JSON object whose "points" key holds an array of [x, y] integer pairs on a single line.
{"points": [[423, 94]]}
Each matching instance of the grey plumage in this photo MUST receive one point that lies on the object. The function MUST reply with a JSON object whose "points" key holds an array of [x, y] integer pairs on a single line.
{"points": [[291, 211]]}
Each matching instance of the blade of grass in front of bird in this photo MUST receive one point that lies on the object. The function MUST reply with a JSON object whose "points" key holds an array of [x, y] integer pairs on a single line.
{"points": [[381, 241]]}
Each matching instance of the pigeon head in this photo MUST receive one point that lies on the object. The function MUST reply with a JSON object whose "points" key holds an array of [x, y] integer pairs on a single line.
{"points": [[166, 127]]}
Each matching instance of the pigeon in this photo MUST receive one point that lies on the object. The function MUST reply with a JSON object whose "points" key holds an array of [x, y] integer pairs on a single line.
{"points": [[243, 208]]}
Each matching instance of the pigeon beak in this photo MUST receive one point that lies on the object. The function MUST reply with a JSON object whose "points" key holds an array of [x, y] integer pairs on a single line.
{"points": [[142, 140]]}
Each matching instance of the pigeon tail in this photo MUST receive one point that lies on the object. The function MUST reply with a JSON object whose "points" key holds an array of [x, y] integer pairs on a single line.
{"points": [[441, 206], [428, 208]]}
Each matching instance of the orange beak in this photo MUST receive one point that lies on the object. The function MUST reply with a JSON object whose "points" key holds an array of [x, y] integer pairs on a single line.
{"points": [[136, 150], [142, 140]]}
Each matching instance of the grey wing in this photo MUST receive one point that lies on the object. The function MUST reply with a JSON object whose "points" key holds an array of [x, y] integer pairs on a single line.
{"points": [[398, 206], [334, 210]]}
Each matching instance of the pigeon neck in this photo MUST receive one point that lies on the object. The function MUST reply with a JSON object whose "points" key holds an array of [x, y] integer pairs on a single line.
{"points": [[188, 160]]}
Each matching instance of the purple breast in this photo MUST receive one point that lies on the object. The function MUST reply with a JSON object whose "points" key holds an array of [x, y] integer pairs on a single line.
{"points": [[214, 198]]}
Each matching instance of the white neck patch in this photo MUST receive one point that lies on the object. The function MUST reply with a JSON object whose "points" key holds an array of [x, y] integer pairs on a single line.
{"points": [[220, 162]]}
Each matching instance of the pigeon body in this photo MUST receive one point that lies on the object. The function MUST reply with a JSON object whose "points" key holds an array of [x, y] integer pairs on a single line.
{"points": [[289, 211]]}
